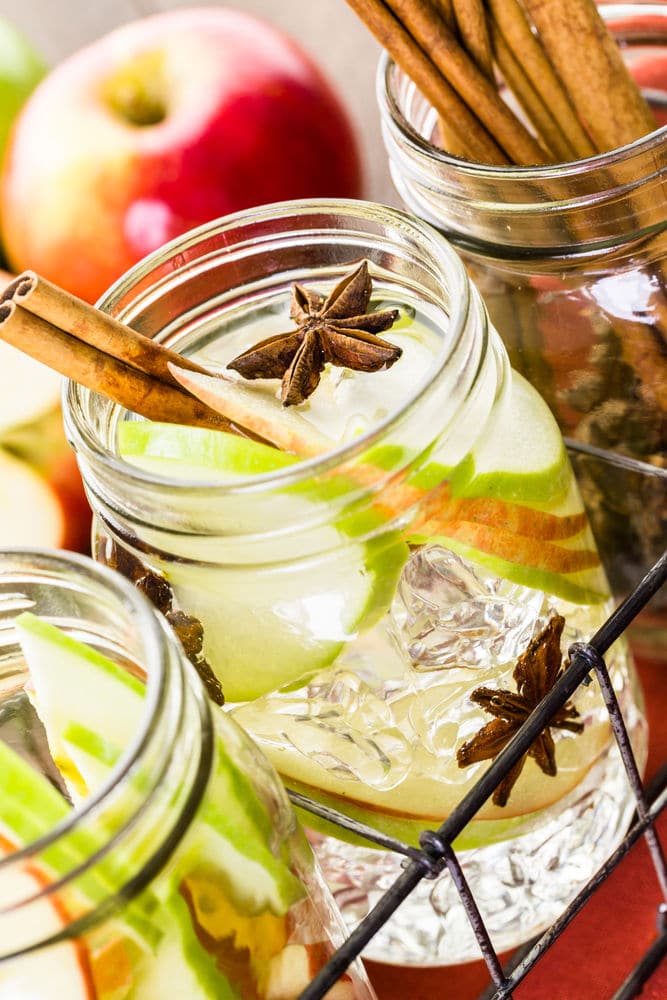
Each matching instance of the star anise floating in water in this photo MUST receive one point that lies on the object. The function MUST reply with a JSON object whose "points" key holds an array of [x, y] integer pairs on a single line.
{"points": [[336, 329], [536, 671]]}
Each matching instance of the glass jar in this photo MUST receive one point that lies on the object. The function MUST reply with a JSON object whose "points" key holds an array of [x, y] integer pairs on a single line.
{"points": [[350, 606], [157, 883], [571, 261]]}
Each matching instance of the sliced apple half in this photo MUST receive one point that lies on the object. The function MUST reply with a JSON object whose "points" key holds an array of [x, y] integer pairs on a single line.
{"points": [[30, 512], [29, 388], [308, 607]]}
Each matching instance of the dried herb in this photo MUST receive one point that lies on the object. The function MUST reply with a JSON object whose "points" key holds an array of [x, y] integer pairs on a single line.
{"points": [[336, 329], [536, 671], [157, 589]]}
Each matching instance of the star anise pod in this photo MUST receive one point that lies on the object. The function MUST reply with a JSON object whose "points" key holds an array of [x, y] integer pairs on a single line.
{"points": [[536, 671], [336, 329]]}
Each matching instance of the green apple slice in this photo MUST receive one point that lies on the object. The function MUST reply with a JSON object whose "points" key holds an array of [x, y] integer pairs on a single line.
{"points": [[233, 831], [62, 671], [196, 454], [521, 456], [30, 808], [168, 975], [74, 682], [308, 607]]}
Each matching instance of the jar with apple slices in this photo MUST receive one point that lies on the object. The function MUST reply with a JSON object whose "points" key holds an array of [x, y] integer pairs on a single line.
{"points": [[414, 541], [146, 847]]}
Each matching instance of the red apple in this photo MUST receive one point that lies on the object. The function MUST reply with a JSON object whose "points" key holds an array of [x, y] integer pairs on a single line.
{"points": [[166, 123]]}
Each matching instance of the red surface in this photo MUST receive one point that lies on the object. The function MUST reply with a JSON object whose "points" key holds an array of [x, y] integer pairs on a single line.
{"points": [[602, 944]]}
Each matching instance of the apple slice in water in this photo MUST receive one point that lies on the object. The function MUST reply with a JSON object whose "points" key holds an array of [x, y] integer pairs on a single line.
{"points": [[520, 457], [29, 808], [73, 681], [309, 607]]}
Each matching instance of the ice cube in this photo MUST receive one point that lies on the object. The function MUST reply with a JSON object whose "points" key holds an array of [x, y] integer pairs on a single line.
{"points": [[340, 722], [448, 613]]}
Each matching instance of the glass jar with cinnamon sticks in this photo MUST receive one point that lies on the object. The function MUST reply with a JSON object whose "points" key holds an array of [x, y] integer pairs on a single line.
{"points": [[567, 242]]}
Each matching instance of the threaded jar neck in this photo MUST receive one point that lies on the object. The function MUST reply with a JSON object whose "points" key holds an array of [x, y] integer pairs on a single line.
{"points": [[107, 849]]}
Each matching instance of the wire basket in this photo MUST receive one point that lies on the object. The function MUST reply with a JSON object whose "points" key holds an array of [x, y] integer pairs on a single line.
{"points": [[436, 852]]}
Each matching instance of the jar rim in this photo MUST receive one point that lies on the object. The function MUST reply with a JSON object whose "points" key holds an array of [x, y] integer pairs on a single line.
{"points": [[429, 239], [394, 118]]}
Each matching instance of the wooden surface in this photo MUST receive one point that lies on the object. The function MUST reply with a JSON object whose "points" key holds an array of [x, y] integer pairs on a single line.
{"points": [[327, 29]]}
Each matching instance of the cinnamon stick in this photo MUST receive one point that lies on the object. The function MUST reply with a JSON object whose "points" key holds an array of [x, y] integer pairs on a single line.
{"points": [[433, 36], [474, 31], [446, 10], [590, 64], [551, 136], [510, 20], [92, 326], [122, 383], [467, 136]]}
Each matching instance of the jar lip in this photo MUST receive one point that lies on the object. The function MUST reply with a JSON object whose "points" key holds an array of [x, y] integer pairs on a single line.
{"points": [[401, 127], [26, 560], [459, 307]]}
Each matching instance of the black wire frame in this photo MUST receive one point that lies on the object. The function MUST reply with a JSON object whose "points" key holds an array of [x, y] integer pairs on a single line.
{"points": [[436, 852]]}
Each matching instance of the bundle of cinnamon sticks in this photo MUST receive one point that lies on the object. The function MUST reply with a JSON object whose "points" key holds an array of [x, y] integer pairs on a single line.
{"points": [[556, 57], [92, 348]]}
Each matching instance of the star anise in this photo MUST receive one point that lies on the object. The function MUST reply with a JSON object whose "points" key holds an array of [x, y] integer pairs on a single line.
{"points": [[336, 329], [536, 671]]}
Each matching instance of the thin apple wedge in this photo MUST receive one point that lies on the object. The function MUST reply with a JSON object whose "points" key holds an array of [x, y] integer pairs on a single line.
{"points": [[293, 968], [530, 552], [514, 518], [250, 408]]}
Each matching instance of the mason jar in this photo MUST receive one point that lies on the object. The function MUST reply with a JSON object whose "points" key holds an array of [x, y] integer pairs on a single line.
{"points": [[349, 608], [183, 871], [571, 260]]}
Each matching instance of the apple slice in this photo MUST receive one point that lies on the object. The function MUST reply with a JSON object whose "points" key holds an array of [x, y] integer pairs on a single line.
{"points": [[181, 966], [30, 807], [196, 454], [30, 513], [60, 970], [310, 606], [520, 456], [289, 972], [29, 388], [252, 407], [74, 682]]}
